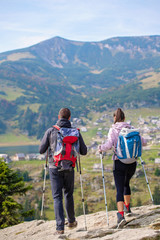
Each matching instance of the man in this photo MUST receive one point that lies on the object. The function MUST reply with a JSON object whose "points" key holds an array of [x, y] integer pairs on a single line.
{"points": [[61, 173]]}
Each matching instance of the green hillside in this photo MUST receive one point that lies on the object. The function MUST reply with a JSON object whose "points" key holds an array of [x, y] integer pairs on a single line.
{"points": [[84, 76]]}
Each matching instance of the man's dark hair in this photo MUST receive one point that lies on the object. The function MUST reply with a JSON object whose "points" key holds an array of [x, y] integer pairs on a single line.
{"points": [[119, 114], [64, 113]]}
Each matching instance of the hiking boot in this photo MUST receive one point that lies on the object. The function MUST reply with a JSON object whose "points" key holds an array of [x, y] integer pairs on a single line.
{"points": [[120, 220], [59, 232], [127, 210], [72, 225]]}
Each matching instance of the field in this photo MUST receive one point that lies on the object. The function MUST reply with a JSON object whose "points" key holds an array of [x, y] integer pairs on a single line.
{"points": [[17, 139], [92, 184]]}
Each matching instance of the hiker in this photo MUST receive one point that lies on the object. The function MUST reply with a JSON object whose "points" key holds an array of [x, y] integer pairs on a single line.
{"points": [[122, 172], [62, 171]]}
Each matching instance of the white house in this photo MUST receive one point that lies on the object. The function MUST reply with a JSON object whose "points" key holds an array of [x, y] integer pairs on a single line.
{"points": [[97, 166], [3, 155], [18, 157], [41, 156], [157, 160], [83, 129]]}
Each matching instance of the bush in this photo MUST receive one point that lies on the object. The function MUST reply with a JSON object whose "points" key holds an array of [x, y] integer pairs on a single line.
{"points": [[156, 195], [139, 202], [112, 205], [157, 172]]}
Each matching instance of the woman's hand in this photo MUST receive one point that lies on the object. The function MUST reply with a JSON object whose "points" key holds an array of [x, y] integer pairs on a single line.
{"points": [[99, 149]]}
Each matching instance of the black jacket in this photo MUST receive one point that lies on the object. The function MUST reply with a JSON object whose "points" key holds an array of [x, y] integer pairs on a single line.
{"points": [[50, 138]]}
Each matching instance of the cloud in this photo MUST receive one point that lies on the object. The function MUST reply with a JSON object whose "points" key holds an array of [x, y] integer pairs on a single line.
{"points": [[25, 22]]}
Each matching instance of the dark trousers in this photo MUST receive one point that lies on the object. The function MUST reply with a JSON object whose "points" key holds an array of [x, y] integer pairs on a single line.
{"points": [[122, 175], [62, 182]]}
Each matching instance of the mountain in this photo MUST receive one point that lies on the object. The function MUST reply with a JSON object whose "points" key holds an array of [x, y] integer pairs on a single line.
{"points": [[38, 80]]}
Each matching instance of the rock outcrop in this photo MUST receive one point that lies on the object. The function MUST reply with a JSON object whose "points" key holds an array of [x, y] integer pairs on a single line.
{"points": [[144, 224]]}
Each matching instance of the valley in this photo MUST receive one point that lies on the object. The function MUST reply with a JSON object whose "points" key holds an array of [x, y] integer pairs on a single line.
{"points": [[97, 126]]}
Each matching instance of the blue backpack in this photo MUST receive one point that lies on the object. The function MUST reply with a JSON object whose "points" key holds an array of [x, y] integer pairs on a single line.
{"points": [[129, 146]]}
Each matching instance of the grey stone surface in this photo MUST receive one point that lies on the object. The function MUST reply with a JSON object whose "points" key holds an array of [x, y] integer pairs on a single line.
{"points": [[144, 224]]}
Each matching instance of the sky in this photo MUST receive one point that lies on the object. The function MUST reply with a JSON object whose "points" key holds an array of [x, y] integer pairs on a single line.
{"points": [[24, 23]]}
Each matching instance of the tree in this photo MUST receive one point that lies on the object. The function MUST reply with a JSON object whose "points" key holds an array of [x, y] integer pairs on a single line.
{"points": [[27, 121], [11, 212], [2, 127], [24, 174]]}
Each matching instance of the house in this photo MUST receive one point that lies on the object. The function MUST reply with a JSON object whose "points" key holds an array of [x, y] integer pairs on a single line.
{"points": [[157, 160], [158, 137], [5, 158], [158, 124], [97, 167], [83, 129], [3, 155], [31, 156], [41, 156], [76, 122], [18, 157], [100, 120], [93, 147], [148, 138], [99, 134]]}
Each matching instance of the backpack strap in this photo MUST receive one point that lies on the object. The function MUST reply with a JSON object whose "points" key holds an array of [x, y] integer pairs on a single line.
{"points": [[58, 128], [55, 126]]}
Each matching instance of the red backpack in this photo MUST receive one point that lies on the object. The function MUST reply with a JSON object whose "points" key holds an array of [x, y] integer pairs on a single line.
{"points": [[67, 147]]}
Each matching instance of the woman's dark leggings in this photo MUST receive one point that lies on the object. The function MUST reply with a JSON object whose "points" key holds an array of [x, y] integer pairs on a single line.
{"points": [[122, 175]]}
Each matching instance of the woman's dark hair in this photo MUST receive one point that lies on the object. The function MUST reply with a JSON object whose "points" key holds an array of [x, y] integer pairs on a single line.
{"points": [[119, 114], [64, 113]]}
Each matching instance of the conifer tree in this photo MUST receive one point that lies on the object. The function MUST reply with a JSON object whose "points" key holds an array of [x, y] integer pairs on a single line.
{"points": [[11, 212]]}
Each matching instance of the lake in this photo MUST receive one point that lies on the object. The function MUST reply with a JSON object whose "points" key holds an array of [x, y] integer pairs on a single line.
{"points": [[11, 150]]}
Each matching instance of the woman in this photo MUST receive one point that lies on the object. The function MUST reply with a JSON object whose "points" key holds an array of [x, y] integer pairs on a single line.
{"points": [[122, 172]]}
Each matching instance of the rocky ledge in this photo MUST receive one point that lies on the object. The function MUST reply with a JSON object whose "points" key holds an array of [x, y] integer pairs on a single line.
{"points": [[144, 224]]}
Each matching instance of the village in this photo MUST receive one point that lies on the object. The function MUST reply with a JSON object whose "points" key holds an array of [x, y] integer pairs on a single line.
{"points": [[149, 129]]}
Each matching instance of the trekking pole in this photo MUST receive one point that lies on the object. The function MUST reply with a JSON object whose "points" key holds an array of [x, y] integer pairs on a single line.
{"points": [[101, 157], [142, 163], [44, 183], [82, 193]]}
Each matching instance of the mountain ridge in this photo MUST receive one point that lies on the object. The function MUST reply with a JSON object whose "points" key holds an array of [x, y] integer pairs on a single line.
{"points": [[82, 75]]}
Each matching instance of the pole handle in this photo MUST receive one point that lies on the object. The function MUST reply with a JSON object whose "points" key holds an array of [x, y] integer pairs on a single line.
{"points": [[46, 158]]}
